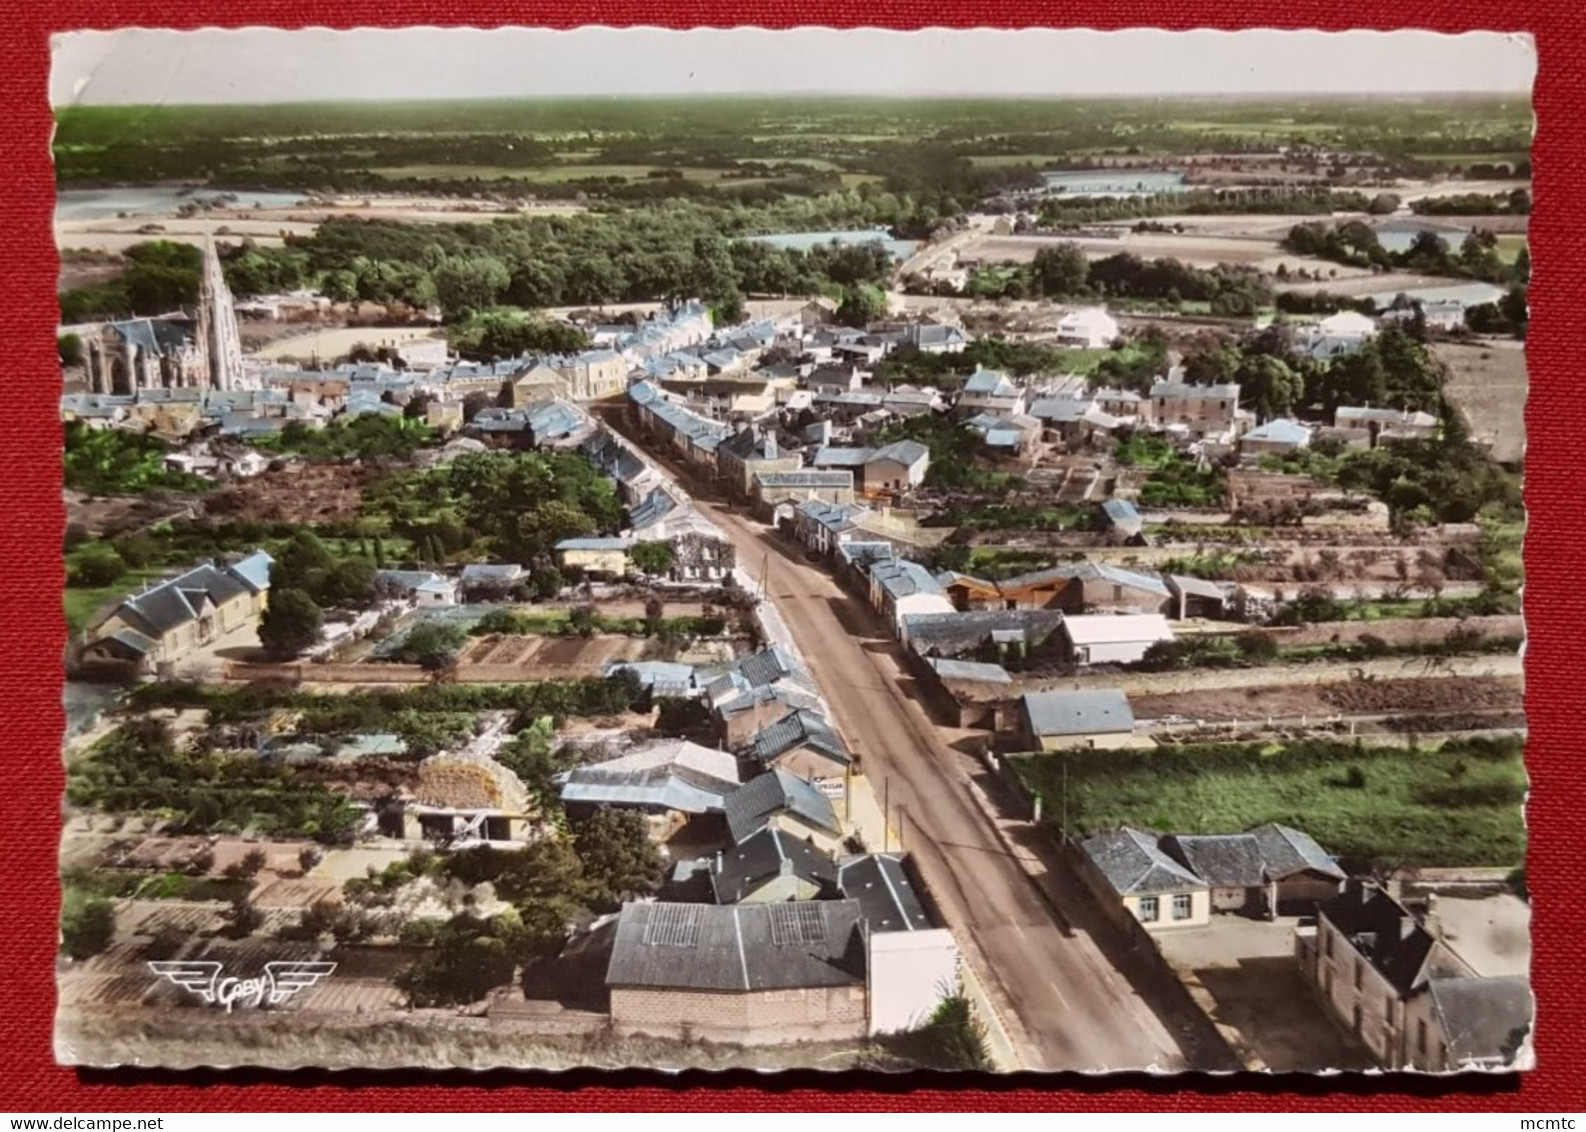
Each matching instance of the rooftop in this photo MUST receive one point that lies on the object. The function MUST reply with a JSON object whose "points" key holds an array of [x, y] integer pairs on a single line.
{"points": [[739, 947], [1078, 713]]}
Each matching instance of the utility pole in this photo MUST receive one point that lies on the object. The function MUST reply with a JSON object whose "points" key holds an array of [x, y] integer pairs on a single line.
{"points": [[886, 814], [1065, 801]]}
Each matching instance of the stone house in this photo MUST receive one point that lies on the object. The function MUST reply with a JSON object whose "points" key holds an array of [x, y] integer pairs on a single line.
{"points": [[155, 630], [1394, 982]]}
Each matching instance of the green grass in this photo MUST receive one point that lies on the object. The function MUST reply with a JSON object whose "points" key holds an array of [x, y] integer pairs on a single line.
{"points": [[81, 603], [1509, 245], [1458, 805], [994, 563]]}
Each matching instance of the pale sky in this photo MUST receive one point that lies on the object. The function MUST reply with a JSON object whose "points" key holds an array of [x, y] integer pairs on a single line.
{"points": [[266, 65]]}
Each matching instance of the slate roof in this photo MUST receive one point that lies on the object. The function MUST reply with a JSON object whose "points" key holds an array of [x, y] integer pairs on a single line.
{"points": [[990, 383], [171, 604], [806, 479], [831, 457], [952, 633], [1232, 861], [971, 670], [739, 947], [1287, 851], [905, 452], [739, 872], [902, 578], [881, 885], [1097, 712], [1479, 1016], [1061, 410], [750, 807], [799, 728], [1135, 866], [1184, 391], [1389, 937], [254, 570]]}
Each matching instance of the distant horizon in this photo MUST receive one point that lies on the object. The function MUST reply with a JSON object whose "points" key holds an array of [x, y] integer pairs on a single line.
{"points": [[267, 66]]}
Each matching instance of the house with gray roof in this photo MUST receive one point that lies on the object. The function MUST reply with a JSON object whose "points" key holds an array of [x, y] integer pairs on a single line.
{"points": [[900, 588], [1133, 877], [1472, 1023], [164, 625], [1271, 870], [897, 466], [777, 493], [1097, 719], [744, 973], [990, 391], [887, 896], [771, 866], [803, 743], [782, 799]]}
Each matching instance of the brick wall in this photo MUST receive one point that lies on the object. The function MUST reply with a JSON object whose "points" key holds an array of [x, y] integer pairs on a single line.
{"points": [[754, 1018]]}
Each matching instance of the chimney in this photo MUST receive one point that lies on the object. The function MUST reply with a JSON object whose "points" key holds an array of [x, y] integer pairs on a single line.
{"points": [[1430, 919]]}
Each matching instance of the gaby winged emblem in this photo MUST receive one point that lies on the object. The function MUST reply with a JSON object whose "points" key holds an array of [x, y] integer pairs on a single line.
{"points": [[279, 983]]}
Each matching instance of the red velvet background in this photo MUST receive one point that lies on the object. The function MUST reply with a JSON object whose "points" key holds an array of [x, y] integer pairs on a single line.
{"points": [[32, 631]]}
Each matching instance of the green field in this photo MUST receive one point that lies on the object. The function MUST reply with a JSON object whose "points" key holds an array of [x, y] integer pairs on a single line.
{"points": [[957, 145], [1457, 805]]}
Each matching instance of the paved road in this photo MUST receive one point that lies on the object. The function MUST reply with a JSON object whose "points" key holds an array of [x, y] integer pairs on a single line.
{"points": [[1062, 1000]]}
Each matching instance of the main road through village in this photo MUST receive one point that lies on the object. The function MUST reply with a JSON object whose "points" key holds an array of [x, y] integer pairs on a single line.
{"points": [[1061, 985]]}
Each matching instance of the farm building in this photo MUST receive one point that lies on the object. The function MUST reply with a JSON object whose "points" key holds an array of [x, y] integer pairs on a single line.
{"points": [[1052, 721], [1113, 638], [602, 557]]}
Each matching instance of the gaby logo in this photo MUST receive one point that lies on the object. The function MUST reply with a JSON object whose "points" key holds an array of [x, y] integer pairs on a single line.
{"points": [[279, 983]]}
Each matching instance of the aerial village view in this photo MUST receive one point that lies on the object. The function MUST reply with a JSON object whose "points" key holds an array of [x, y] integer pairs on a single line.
{"points": [[638, 576]]}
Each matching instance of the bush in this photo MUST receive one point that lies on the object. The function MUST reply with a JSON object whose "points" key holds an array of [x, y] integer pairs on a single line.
{"points": [[101, 566], [88, 923]]}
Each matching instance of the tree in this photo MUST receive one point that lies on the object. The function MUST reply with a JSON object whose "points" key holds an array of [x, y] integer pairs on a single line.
{"points": [[70, 349], [291, 623], [547, 584], [1060, 271], [861, 306], [1515, 310], [653, 557], [1269, 386], [248, 867], [88, 923], [466, 285], [620, 861], [432, 645], [583, 621], [99, 566]]}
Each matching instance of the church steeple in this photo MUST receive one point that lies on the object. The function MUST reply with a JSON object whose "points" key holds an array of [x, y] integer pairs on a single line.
{"points": [[217, 324]]}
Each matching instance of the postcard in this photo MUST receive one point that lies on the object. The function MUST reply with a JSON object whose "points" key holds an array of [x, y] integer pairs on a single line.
{"points": [[855, 550]]}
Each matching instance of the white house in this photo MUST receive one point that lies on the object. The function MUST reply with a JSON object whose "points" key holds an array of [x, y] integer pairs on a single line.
{"points": [[1090, 328], [1113, 638], [1347, 324]]}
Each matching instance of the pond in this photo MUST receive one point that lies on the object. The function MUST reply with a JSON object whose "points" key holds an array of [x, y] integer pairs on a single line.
{"points": [[107, 204], [1114, 183]]}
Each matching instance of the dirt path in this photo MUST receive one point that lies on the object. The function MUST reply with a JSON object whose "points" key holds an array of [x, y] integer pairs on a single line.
{"points": [[1067, 1003]]}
